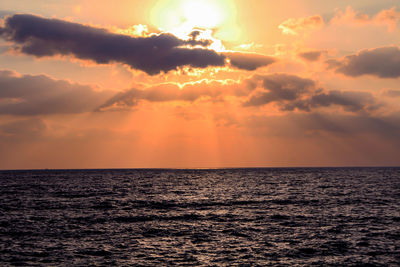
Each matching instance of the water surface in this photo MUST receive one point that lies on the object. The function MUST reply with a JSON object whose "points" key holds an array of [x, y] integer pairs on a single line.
{"points": [[248, 217]]}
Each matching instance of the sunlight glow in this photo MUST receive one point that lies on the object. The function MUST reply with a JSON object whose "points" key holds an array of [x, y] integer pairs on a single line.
{"points": [[203, 13], [182, 17]]}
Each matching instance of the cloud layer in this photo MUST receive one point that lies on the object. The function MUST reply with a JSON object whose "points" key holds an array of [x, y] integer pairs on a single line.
{"points": [[291, 92], [280, 88], [29, 95], [172, 92], [387, 17], [383, 62], [288, 92], [156, 53]]}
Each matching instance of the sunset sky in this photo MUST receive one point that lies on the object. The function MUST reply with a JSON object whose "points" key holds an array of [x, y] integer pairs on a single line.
{"points": [[199, 83]]}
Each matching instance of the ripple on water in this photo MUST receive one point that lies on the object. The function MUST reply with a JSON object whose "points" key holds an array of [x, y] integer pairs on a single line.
{"points": [[249, 217]]}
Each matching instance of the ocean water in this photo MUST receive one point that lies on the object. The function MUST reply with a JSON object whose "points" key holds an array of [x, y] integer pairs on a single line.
{"points": [[223, 217]]}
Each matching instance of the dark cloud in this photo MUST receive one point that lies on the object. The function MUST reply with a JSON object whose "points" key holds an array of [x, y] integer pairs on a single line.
{"points": [[195, 41], [153, 54], [39, 94], [291, 92], [352, 101], [311, 55], [48, 37], [249, 61], [383, 62], [280, 87]]}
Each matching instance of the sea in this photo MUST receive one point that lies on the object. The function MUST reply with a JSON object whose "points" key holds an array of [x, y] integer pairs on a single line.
{"points": [[201, 217]]}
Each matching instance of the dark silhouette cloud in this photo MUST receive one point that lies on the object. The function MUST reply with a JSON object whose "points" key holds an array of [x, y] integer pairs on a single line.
{"points": [[291, 92], [29, 95], [48, 37], [383, 62], [352, 101], [249, 61], [153, 54], [311, 55], [280, 87]]}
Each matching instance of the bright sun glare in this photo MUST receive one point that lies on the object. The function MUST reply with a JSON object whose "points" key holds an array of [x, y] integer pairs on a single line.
{"points": [[202, 13], [183, 16]]}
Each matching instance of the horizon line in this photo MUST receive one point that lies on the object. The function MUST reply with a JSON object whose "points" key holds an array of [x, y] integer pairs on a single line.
{"points": [[197, 168]]}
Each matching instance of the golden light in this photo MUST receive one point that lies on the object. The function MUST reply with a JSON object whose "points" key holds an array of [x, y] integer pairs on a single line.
{"points": [[181, 17], [203, 13]]}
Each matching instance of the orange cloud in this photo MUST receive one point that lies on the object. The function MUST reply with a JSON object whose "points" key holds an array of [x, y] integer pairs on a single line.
{"points": [[168, 92], [295, 26], [387, 17], [289, 93], [30, 95]]}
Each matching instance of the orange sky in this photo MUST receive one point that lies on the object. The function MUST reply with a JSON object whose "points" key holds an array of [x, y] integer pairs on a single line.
{"points": [[199, 83]]}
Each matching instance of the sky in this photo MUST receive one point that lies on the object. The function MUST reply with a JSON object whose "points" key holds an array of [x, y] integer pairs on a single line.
{"points": [[199, 83]]}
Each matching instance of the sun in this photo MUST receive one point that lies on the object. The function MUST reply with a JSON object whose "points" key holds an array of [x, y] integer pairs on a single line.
{"points": [[178, 16], [203, 13], [214, 18]]}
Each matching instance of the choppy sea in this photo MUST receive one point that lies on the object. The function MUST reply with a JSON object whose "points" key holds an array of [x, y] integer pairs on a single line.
{"points": [[220, 217]]}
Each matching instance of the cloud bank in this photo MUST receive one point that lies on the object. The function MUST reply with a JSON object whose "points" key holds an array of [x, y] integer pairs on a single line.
{"points": [[382, 62], [168, 92], [29, 95], [291, 92], [153, 54], [288, 92], [279, 88]]}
